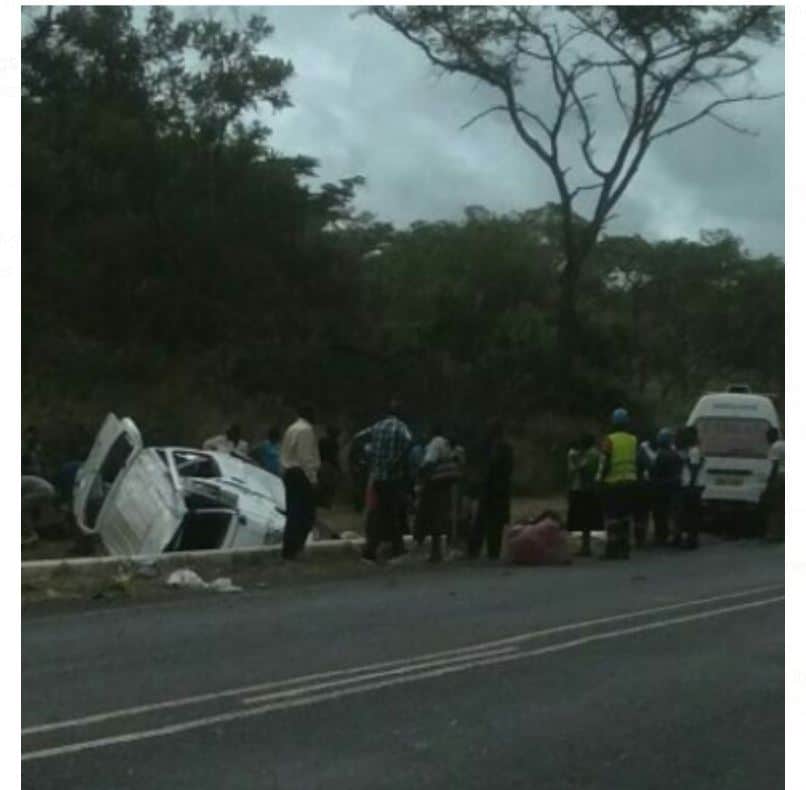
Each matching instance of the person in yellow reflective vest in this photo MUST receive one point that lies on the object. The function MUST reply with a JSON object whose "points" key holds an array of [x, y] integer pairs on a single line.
{"points": [[617, 480]]}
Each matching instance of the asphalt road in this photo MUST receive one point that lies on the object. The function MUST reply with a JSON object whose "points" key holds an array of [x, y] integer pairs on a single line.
{"points": [[664, 671]]}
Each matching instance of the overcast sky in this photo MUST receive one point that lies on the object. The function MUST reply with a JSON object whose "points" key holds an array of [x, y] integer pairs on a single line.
{"points": [[367, 102]]}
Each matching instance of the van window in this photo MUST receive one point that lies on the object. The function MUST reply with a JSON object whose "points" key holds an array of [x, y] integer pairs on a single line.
{"points": [[201, 530], [116, 458], [193, 464], [733, 437]]}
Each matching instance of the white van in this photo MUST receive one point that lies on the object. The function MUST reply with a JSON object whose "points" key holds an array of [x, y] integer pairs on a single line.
{"points": [[149, 500], [732, 429]]}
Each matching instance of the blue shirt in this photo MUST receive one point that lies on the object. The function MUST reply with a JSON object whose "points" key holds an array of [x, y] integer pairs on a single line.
{"points": [[267, 455]]}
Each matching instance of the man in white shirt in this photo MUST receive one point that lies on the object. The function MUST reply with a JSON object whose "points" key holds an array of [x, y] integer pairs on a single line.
{"points": [[229, 442], [776, 451], [774, 495], [300, 462]]}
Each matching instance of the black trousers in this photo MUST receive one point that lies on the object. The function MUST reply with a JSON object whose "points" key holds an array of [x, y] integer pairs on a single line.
{"points": [[385, 523], [434, 513], [300, 507], [491, 518], [643, 507], [688, 516], [618, 503], [663, 501], [584, 515]]}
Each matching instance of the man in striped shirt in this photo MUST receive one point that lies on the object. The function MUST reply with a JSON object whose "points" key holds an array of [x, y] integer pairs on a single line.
{"points": [[390, 442]]}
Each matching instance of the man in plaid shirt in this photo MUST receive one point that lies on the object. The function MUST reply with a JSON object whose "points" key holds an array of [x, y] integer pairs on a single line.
{"points": [[390, 441]]}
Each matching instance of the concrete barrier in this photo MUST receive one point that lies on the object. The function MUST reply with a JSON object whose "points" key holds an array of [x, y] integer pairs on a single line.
{"points": [[84, 573]]}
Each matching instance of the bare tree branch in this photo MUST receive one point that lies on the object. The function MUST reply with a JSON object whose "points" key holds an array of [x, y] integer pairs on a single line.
{"points": [[733, 126], [617, 92], [574, 192], [589, 134], [706, 111], [587, 27], [483, 114], [534, 144], [538, 120]]}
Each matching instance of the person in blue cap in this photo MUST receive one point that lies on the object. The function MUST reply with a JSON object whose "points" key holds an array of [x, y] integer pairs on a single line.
{"points": [[665, 476]]}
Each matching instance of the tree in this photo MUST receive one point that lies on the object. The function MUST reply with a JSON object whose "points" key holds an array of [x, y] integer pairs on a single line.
{"points": [[697, 314], [155, 209], [649, 57]]}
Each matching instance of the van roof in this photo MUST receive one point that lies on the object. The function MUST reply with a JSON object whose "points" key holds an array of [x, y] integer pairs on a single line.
{"points": [[734, 404]]}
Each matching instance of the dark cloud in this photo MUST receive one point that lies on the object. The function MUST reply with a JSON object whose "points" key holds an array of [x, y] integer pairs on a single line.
{"points": [[366, 101]]}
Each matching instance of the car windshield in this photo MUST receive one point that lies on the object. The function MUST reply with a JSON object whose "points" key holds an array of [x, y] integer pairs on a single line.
{"points": [[733, 437]]}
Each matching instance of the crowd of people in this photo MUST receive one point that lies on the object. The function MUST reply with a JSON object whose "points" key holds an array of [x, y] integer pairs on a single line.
{"points": [[429, 487], [404, 484], [617, 485], [620, 484]]}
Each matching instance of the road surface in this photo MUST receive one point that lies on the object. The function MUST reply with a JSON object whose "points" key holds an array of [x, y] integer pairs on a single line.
{"points": [[665, 671]]}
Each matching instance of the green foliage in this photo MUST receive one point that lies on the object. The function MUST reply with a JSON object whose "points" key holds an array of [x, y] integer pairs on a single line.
{"points": [[152, 207]]}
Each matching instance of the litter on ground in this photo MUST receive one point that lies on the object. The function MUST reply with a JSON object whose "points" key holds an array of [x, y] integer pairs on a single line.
{"points": [[190, 580]]}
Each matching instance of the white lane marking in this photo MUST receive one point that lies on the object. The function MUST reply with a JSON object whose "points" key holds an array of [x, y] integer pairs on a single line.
{"points": [[407, 663], [331, 695], [267, 685], [302, 690]]}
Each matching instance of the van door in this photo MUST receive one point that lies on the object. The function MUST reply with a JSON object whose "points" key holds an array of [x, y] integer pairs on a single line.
{"points": [[736, 466], [144, 509], [115, 443]]}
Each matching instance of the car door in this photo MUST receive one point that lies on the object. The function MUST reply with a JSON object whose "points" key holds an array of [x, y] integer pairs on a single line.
{"points": [[115, 443]]}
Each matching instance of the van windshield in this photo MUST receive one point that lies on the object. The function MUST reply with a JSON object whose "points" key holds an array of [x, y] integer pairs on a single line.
{"points": [[733, 437]]}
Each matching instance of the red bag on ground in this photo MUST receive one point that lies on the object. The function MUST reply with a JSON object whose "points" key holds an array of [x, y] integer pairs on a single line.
{"points": [[539, 542]]}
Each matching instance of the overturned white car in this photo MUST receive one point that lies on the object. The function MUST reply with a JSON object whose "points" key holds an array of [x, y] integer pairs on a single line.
{"points": [[149, 500]]}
